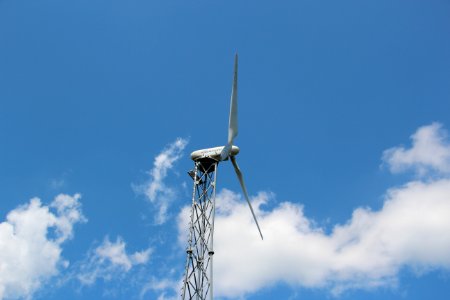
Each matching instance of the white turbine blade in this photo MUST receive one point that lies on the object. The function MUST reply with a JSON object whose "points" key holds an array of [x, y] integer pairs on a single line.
{"points": [[244, 189], [225, 152], [233, 121]]}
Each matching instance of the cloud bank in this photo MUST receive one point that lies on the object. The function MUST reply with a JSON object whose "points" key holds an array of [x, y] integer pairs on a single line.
{"points": [[31, 241], [410, 231], [156, 191]]}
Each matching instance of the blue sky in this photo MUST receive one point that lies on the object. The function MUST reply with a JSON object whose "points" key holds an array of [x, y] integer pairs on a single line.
{"points": [[92, 92]]}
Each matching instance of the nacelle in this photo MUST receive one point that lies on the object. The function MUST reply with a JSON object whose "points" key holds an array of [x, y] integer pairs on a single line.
{"points": [[213, 153]]}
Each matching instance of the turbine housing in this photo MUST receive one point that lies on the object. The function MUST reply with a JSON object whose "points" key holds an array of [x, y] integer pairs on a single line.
{"points": [[213, 153]]}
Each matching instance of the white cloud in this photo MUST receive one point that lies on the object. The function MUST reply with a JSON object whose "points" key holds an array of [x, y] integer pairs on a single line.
{"points": [[411, 230], [156, 191], [430, 151], [30, 244], [109, 260], [183, 220], [163, 286]]}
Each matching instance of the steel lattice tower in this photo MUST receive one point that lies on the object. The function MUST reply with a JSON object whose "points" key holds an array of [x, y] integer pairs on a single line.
{"points": [[198, 277]]}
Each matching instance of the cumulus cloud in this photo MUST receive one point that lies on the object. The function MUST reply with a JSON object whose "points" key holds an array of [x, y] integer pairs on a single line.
{"points": [[412, 230], [430, 151], [156, 191], [31, 241], [109, 260]]}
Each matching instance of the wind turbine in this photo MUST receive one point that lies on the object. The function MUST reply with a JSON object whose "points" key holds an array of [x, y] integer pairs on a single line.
{"points": [[198, 277]]}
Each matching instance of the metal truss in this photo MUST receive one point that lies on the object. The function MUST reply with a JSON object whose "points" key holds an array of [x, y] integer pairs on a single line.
{"points": [[198, 277]]}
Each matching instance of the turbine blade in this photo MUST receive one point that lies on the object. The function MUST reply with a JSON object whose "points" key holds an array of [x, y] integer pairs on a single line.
{"points": [[244, 189], [233, 121], [225, 152]]}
